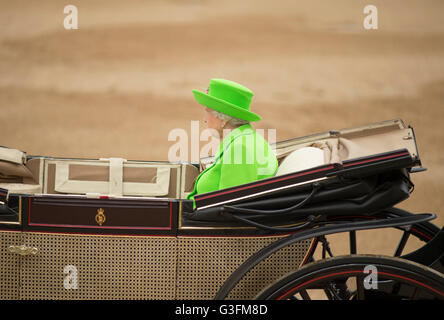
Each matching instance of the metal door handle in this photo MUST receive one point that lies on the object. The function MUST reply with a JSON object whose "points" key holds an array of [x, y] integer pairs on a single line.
{"points": [[23, 250]]}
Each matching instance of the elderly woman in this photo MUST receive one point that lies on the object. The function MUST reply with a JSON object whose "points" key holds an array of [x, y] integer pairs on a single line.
{"points": [[243, 156]]}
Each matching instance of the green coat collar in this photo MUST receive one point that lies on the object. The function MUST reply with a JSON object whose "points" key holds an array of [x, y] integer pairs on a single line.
{"points": [[244, 129], [224, 145]]}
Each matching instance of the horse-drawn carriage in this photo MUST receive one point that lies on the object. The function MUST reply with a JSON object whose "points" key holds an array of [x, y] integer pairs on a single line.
{"points": [[123, 229]]}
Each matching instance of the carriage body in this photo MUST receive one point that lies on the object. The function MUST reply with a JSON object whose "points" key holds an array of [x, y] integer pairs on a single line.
{"points": [[117, 229]]}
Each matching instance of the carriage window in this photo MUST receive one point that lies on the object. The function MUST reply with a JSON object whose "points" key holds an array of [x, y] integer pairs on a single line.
{"points": [[114, 177]]}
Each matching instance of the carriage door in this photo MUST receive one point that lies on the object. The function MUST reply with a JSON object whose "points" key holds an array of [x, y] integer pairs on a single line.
{"points": [[11, 239]]}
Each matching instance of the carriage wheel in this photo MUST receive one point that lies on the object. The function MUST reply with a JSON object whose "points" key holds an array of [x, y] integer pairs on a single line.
{"points": [[358, 277], [423, 231]]}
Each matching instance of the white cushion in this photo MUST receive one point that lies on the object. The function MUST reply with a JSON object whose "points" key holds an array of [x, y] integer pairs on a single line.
{"points": [[22, 187], [12, 155], [301, 159]]}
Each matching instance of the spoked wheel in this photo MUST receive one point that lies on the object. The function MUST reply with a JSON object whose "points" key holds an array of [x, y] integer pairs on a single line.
{"points": [[358, 277]]}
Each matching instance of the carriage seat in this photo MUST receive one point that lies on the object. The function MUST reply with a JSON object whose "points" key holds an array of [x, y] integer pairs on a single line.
{"points": [[301, 159], [17, 174]]}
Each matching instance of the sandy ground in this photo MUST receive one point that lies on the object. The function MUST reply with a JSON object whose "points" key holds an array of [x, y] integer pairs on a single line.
{"points": [[121, 82]]}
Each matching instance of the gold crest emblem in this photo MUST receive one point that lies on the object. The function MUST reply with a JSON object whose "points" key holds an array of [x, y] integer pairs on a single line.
{"points": [[100, 216]]}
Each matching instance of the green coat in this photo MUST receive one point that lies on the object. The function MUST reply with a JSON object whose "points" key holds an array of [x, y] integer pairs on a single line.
{"points": [[243, 156]]}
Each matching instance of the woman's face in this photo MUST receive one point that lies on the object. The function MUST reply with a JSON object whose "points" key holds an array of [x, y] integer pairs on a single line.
{"points": [[212, 121]]}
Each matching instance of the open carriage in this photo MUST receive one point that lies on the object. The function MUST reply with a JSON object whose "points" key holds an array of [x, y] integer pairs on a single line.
{"points": [[118, 229]]}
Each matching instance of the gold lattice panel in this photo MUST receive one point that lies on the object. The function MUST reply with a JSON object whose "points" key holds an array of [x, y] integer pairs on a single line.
{"points": [[107, 267], [9, 265], [204, 263]]}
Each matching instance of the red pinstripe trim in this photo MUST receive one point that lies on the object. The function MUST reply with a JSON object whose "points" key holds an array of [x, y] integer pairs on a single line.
{"points": [[424, 235], [100, 234], [360, 271], [310, 251], [263, 183], [97, 227]]}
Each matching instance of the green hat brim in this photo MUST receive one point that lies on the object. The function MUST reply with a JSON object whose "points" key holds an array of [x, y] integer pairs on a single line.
{"points": [[224, 107]]}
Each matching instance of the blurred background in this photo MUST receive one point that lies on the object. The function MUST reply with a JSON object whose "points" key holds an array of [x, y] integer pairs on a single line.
{"points": [[117, 85]]}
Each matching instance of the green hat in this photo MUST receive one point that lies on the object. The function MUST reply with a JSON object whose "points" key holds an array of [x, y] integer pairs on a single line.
{"points": [[229, 98]]}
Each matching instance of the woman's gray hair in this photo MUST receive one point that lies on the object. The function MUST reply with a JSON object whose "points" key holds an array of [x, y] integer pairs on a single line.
{"points": [[234, 121]]}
